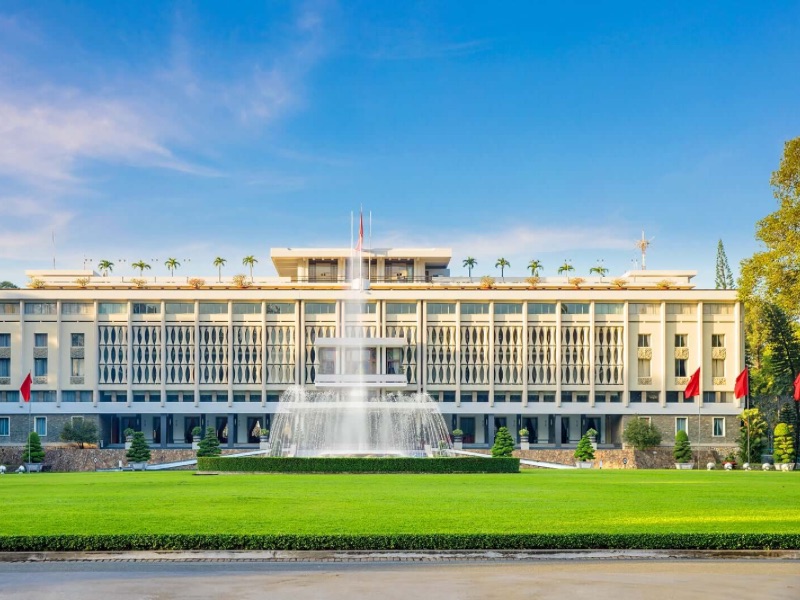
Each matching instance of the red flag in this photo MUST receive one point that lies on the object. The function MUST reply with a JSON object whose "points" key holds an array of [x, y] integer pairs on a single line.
{"points": [[360, 244], [25, 388], [797, 388], [742, 387], [693, 387]]}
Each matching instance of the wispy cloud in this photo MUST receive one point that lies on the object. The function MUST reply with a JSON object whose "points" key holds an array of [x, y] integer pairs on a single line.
{"points": [[28, 224]]}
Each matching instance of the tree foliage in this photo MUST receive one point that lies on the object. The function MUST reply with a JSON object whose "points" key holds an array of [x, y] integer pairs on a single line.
{"points": [[7, 285], [584, 451], [139, 451], [783, 444], [503, 443], [752, 435], [209, 445], [641, 434], [81, 431], [33, 452], [682, 452], [724, 278]]}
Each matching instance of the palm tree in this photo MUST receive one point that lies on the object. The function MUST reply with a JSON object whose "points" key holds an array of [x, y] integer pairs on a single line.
{"points": [[470, 263], [599, 270], [171, 264], [249, 261], [502, 263], [219, 262], [534, 267], [565, 268], [105, 266], [141, 265]]}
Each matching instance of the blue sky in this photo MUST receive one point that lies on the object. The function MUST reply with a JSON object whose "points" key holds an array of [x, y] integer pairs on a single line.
{"points": [[549, 130]]}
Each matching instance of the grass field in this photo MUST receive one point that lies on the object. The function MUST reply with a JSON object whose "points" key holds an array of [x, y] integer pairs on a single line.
{"points": [[540, 501]]}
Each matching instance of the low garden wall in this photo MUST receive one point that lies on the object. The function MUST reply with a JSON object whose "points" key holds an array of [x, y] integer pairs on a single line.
{"points": [[252, 464], [657, 458]]}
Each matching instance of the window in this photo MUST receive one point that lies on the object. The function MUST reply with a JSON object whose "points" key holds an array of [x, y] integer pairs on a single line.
{"points": [[471, 308], [566, 397], [213, 308], [77, 369], [635, 396], [548, 397], [320, 308], [652, 397], [615, 397], [676, 308], [40, 426], [466, 397], [247, 308], [360, 308], [581, 397], [672, 397], [680, 340], [482, 396], [77, 308], [179, 308], [604, 308], [77, 340], [40, 367], [540, 308], [717, 309], [644, 367], [709, 397], [681, 424], [40, 340], [5, 340], [439, 308], [9, 308], [280, 308], [718, 368], [574, 308], [147, 308], [644, 340], [718, 340], [599, 398], [643, 309], [40, 308], [5, 426], [5, 367], [680, 367], [112, 308], [401, 308], [506, 308], [719, 427], [449, 397]]}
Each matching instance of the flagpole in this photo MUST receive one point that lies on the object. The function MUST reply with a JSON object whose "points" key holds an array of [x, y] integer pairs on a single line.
{"points": [[30, 427], [351, 247], [369, 264]]}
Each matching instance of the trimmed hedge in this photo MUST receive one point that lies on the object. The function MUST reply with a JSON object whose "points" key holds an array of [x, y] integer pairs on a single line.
{"points": [[254, 464], [531, 541]]}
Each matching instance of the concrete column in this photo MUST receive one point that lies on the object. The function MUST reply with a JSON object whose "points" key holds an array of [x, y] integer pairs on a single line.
{"points": [[458, 354], [625, 354], [488, 429], [558, 355], [59, 378], [664, 355], [592, 357], [299, 342], [557, 428], [491, 356], [525, 354], [163, 424], [95, 357], [163, 352], [230, 353], [422, 340], [129, 387], [196, 390], [231, 429], [263, 353], [700, 353]]}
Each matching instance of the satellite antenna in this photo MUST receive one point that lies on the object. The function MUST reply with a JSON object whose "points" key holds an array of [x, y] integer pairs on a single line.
{"points": [[643, 244]]}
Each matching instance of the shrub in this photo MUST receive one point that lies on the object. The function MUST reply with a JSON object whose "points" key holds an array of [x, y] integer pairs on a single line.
{"points": [[209, 445], [82, 432], [128, 433], [524, 432], [618, 283], [533, 281], [33, 452], [357, 464], [36, 284], [641, 434], [665, 284], [139, 282], [783, 451], [458, 433], [487, 282], [576, 281], [82, 282], [139, 451], [682, 452], [196, 282], [584, 451], [241, 281], [503, 443], [197, 431]]}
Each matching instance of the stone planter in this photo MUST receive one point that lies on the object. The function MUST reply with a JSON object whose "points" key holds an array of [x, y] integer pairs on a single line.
{"points": [[584, 464], [458, 443], [195, 442], [593, 442], [524, 444], [139, 466], [263, 442], [33, 467], [785, 466], [684, 466]]}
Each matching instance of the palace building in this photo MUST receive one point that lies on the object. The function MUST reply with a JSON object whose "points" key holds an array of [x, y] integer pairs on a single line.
{"points": [[554, 355]]}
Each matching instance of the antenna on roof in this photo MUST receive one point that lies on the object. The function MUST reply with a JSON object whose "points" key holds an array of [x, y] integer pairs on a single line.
{"points": [[643, 244], [54, 249]]}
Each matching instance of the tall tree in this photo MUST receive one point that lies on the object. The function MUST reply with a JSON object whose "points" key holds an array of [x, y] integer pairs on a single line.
{"points": [[249, 261], [219, 262], [724, 279], [106, 266], [470, 263], [7, 285], [172, 264], [535, 266], [501, 264]]}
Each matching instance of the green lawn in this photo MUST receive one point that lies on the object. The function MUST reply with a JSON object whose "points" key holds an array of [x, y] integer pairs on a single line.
{"points": [[553, 502]]}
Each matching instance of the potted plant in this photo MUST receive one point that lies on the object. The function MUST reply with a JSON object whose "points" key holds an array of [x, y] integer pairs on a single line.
{"points": [[128, 433], [33, 453], [592, 433], [584, 453], [458, 438], [196, 434], [523, 439], [263, 439], [139, 452], [729, 462], [682, 453], [783, 452]]}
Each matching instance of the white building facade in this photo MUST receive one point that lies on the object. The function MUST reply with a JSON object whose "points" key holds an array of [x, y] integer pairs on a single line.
{"points": [[556, 356]]}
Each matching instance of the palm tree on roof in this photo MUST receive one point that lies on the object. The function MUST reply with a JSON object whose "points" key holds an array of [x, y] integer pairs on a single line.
{"points": [[172, 264], [470, 263], [249, 261], [565, 268], [534, 266], [502, 263], [141, 265], [105, 266], [219, 262]]}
